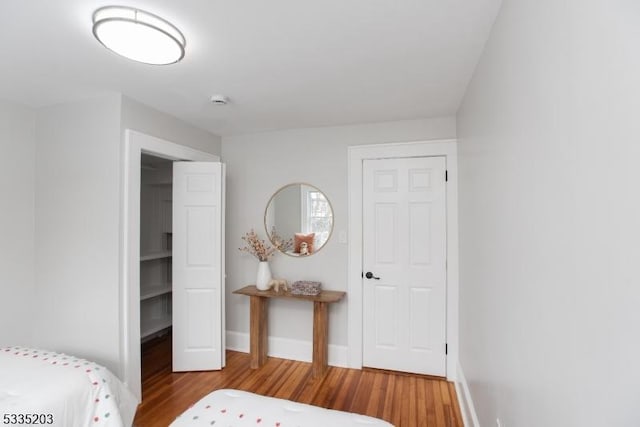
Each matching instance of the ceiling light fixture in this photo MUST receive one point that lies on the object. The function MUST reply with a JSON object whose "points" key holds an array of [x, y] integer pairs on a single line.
{"points": [[138, 35]]}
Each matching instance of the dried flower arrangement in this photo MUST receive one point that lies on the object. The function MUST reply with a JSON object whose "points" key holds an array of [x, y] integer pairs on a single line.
{"points": [[279, 242], [256, 247]]}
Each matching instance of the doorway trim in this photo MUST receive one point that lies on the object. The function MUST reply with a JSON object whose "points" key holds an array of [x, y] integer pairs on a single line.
{"points": [[357, 154], [136, 143]]}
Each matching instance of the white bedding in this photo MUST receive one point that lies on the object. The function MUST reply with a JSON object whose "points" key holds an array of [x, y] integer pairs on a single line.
{"points": [[45, 388], [235, 408]]}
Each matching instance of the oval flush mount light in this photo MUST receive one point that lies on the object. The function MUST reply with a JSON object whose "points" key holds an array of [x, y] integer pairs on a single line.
{"points": [[138, 35]]}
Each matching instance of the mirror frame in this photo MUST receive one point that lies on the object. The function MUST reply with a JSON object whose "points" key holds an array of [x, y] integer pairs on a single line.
{"points": [[268, 232]]}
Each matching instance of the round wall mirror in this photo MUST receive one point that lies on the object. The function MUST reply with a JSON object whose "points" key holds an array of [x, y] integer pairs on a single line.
{"points": [[298, 219]]}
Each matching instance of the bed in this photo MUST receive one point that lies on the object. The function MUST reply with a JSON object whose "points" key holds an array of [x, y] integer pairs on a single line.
{"points": [[45, 388], [235, 408]]}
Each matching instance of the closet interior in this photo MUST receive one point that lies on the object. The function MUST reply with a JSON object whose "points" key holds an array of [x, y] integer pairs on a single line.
{"points": [[155, 246]]}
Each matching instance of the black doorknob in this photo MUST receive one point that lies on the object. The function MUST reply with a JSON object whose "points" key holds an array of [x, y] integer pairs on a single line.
{"points": [[369, 275]]}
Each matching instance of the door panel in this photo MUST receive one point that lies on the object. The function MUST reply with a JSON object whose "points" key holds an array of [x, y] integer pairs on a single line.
{"points": [[419, 319], [404, 238], [420, 226], [386, 333], [200, 332], [197, 266], [201, 237], [386, 220]]}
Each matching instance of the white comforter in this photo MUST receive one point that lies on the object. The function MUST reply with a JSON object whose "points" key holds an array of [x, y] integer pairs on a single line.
{"points": [[46, 388], [236, 408]]}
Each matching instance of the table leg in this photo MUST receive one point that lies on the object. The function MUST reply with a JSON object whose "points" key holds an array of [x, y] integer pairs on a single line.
{"points": [[258, 331], [320, 339]]}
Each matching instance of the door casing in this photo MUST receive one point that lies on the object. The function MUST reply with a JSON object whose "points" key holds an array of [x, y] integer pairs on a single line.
{"points": [[357, 154], [135, 143]]}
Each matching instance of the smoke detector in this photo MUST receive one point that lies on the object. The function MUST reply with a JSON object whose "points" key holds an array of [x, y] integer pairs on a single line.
{"points": [[219, 99]]}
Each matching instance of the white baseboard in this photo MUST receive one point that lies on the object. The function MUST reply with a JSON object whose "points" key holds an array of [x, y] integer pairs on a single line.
{"points": [[287, 348], [469, 416]]}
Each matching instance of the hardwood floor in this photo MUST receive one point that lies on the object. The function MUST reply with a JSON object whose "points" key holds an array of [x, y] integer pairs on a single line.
{"points": [[402, 399]]}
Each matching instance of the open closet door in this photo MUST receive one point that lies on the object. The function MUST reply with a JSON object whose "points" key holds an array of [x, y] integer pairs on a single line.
{"points": [[198, 267]]}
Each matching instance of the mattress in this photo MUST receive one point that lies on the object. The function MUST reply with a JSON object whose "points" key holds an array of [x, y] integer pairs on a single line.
{"points": [[45, 388], [235, 408]]}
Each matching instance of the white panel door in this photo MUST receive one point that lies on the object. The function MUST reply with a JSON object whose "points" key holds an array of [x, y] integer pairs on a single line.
{"points": [[404, 260], [197, 266]]}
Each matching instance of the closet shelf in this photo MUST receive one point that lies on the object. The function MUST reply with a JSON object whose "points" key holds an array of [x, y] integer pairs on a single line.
{"points": [[156, 291], [152, 326], [157, 255]]}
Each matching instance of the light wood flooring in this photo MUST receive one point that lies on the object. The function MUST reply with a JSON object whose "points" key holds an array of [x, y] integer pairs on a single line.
{"points": [[402, 399]]}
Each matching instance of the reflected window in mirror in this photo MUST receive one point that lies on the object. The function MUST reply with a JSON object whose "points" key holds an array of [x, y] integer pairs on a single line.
{"points": [[299, 219], [317, 217]]}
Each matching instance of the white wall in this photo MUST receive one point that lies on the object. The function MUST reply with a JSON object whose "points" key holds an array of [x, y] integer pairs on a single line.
{"points": [[78, 229], [258, 165], [147, 120], [17, 147], [549, 207], [78, 195]]}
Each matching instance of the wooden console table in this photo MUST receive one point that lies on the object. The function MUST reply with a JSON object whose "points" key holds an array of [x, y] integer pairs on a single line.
{"points": [[259, 319]]}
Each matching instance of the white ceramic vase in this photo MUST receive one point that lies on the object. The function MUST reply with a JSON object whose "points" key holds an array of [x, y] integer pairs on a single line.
{"points": [[264, 276]]}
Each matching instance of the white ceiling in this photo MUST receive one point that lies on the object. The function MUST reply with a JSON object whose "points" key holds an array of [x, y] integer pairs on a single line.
{"points": [[284, 63]]}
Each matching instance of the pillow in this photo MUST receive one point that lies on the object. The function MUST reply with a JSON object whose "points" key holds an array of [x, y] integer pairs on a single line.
{"points": [[299, 238]]}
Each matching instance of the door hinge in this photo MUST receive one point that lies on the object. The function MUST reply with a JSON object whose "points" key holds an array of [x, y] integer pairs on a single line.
{"points": [[446, 348], [446, 176]]}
